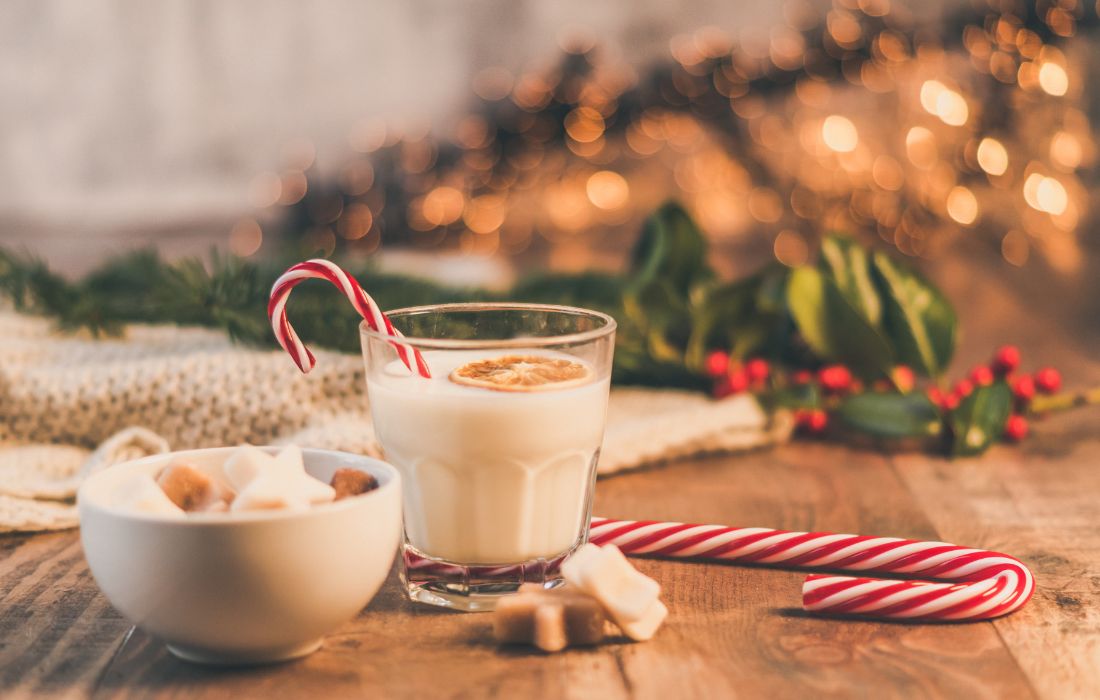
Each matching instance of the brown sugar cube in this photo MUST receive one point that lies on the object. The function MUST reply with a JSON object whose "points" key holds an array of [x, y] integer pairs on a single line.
{"points": [[191, 489], [550, 633], [550, 620], [352, 482]]}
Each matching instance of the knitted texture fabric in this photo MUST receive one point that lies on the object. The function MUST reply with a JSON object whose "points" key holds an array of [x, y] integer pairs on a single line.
{"points": [[63, 396]]}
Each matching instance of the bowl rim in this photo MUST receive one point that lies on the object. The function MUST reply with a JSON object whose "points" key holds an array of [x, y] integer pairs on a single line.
{"points": [[228, 519]]}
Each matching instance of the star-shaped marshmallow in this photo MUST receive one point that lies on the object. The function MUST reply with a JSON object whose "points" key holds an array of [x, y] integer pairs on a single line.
{"points": [[264, 482], [629, 597]]}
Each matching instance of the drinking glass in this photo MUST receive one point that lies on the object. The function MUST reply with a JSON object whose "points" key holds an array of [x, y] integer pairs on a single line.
{"points": [[498, 473]]}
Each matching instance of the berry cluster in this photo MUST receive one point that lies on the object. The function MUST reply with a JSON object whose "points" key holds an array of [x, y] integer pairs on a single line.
{"points": [[1004, 365], [731, 377], [836, 381], [734, 378]]}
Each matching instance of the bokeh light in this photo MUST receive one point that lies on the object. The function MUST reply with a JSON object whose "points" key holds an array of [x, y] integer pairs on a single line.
{"points": [[992, 156], [962, 205], [1065, 150], [754, 132], [839, 133], [790, 248], [608, 190], [1053, 79], [246, 237]]}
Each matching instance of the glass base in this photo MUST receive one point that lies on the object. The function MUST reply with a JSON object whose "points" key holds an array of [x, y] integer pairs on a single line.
{"points": [[472, 587]]}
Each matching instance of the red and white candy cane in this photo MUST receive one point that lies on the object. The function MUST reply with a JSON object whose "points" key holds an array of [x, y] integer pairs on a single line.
{"points": [[980, 584], [325, 270]]}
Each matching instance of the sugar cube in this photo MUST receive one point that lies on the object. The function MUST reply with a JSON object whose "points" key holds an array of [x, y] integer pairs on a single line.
{"points": [[349, 482], [548, 619], [191, 489]]}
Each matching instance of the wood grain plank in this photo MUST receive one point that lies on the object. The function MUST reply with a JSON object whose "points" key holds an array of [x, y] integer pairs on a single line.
{"points": [[393, 649], [747, 621], [733, 631], [1038, 503], [57, 632]]}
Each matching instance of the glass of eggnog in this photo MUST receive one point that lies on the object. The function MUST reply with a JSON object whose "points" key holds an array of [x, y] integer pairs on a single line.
{"points": [[497, 448]]}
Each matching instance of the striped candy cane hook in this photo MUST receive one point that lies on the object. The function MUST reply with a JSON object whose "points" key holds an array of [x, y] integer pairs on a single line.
{"points": [[363, 303]]}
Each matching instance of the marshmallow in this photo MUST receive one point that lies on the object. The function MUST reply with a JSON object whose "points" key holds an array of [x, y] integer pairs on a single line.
{"points": [[141, 494], [268, 493], [281, 482], [550, 620], [647, 625], [629, 597], [244, 464]]}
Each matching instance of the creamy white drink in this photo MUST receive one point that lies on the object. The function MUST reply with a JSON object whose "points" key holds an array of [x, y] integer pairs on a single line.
{"points": [[491, 475]]}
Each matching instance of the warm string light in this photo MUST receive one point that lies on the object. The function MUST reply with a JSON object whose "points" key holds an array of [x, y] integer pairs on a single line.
{"points": [[848, 119]]}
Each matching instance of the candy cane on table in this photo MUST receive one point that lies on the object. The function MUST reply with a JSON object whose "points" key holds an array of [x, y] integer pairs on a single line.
{"points": [[367, 308], [979, 584]]}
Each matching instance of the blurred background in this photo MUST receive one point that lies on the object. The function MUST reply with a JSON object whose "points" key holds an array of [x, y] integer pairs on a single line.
{"points": [[471, 142]]}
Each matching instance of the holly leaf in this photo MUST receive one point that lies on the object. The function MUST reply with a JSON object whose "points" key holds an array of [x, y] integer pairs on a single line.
{"points": [[850, 267], [798, 396], [832, 327], [634, 364], [772, 294], [724, 310], [662, 316], [671, 249], [980, 419], [890, 415], [917, 318]]}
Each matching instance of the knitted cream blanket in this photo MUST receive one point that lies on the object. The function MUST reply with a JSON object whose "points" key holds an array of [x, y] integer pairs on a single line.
{"points": [[162, 387]]}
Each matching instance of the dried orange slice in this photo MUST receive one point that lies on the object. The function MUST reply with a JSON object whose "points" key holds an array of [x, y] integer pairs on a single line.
{"points": [[522, 373]]}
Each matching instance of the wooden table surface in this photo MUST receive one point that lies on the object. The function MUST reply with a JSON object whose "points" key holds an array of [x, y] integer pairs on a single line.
{"points": [[733, 630]]}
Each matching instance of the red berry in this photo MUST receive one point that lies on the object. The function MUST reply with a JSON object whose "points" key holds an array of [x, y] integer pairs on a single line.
{"points": [[758, 370], [1048, 380], [1023, 388], [1006, 359], [717, 363], [738, 381], [802, 376], [835, 378], [811, 420], [1015, 428], [733, 383], [819, 420], [950, 402], [981, 375], [963, 388], [904, 378], [935, 395]]}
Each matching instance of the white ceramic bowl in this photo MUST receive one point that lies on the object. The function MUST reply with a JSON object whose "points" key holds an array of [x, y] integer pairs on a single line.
{"points": [[244, 587]]}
